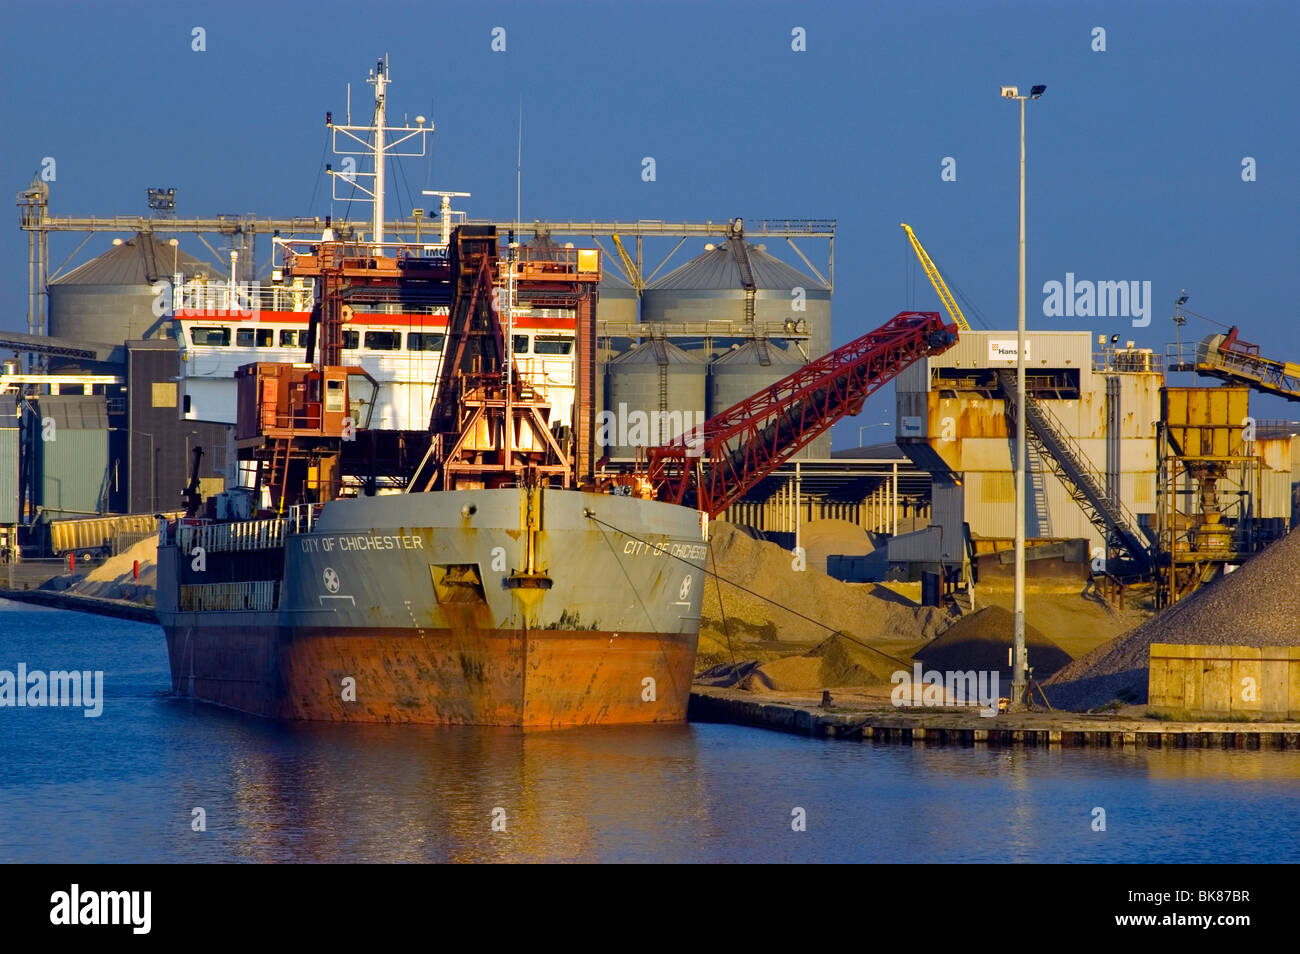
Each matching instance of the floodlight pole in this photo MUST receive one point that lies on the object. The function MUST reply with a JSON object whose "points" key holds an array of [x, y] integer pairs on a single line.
{"points": [[1020, 662]]}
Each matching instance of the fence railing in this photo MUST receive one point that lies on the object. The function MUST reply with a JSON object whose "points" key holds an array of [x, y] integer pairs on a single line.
{"points": [[224, 537]]}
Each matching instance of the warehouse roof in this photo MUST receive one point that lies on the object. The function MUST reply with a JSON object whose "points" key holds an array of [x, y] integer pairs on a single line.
{"points": [[76, 412]]}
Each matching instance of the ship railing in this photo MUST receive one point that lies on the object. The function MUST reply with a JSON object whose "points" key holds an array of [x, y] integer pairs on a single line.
{"points": [[302, 517], [244, 535], [243, 297], [254, 595]]}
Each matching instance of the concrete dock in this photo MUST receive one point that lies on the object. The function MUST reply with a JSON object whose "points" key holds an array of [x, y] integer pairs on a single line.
{"points": [[886, 724], [57, 599]]}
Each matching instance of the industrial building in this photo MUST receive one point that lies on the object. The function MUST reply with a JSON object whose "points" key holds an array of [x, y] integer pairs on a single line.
{"points": [[99, 426], [1110, 461]]}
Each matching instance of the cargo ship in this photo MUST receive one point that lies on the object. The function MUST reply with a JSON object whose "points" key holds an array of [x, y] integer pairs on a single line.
{"points": [[486, 568], [477, 570]]}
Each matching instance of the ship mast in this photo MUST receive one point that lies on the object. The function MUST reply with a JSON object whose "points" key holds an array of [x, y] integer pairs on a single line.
{"points": [[378, 141], [380, 80]]}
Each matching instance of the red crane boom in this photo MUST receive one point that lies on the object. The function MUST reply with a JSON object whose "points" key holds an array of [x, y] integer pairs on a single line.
{"points": [[743, 444]]}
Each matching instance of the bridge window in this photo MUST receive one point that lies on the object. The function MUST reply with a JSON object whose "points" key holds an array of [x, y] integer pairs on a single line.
{"points": [[293, 338], [383, 340], [425, 341], [552, 344], [521, 344], [211, 337], [254, 337], [351, 340]]}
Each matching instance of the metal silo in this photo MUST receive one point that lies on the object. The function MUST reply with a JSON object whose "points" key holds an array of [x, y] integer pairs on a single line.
{"points": [[746, 370], [617, 301], [110, 298], [657, 389], [714, 286], [617, 305]]}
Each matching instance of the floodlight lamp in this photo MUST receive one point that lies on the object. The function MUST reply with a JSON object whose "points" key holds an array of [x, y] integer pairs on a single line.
{"points": [[1010, 92], [1037, 91]]}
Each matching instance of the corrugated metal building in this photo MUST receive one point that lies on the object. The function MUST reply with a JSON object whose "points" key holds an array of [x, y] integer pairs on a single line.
{"points": [[952, 416], [952, 405], [8, 475], [73, 474]]}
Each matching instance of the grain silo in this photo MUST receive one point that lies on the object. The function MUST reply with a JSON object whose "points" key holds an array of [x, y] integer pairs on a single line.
{"points": [[618, 300], [747, 369], [617, 306], [111, 298], [655, 391], [739, 282]]}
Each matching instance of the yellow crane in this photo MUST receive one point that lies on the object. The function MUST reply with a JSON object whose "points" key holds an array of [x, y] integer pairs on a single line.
{"points": [[629, 266], [936, 280]]}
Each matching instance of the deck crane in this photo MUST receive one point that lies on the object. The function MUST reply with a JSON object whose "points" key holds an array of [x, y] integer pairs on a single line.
{"points": [[940, 286], [714, 466]]}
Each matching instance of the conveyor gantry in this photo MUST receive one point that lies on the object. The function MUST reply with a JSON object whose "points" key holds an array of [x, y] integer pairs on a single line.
{"points": [[1234, 361], [1084, 483], [740, 446]]}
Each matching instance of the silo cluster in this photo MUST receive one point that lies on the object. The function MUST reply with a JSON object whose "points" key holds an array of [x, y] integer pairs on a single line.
{"points": [[714, 334]]}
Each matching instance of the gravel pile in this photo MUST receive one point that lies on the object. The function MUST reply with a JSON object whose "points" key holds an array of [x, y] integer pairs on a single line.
{"points": [[1258, 605], [797, 607], [980, 641]]}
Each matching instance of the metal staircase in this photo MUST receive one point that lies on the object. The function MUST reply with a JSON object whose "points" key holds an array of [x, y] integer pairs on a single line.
{"points": [[1085, 484], [1038, 487]]}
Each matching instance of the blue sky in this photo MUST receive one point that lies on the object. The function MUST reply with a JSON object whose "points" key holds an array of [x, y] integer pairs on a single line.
{"points": [[1135, 153]]}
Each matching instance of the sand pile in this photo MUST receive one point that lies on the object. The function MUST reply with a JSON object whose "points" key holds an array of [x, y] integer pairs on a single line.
{"points": [[838, 662], [795, 609], [113, 579], [824, 538], [1258, 605], [980, 641]]}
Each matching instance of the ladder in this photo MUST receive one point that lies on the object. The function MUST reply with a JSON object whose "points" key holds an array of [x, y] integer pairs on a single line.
{"points": [[1085, 484]]}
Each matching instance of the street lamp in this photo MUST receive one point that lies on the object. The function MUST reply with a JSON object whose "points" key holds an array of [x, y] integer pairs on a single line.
{"points": [[176, 271], [1021, 662], [863, 427]]}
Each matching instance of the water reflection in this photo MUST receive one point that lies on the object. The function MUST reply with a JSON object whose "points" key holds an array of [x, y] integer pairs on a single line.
{"points": [[333, 793], [124, 787]]}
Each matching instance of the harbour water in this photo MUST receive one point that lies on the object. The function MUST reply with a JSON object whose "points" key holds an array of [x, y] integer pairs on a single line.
{"points": [[126, 786]]}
